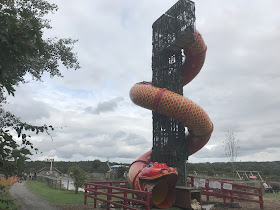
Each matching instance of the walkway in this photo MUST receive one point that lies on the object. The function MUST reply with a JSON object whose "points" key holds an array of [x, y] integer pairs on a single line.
{"points": [[27, 200]]}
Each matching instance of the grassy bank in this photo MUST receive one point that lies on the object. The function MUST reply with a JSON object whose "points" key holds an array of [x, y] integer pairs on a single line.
{"points": [[8, 202], [54, 196]]}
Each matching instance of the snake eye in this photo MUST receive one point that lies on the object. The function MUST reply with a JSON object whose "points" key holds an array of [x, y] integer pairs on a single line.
{"points": [[150, 165]]}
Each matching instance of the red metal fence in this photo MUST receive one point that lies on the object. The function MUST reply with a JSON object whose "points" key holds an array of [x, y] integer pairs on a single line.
{"points": [[226, 190], [117, 190]]}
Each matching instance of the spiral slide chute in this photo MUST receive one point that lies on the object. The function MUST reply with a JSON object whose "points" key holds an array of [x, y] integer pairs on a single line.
{"points": [[159, 179], [179, 108]]}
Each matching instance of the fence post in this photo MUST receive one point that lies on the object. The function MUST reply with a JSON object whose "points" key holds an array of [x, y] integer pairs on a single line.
{"points": [[231, 194], [109, 191], [224, 194], [207, 189], [147, 200], [192, 181], [125, 198], [95, 194], [261, 198], [85, 201]]}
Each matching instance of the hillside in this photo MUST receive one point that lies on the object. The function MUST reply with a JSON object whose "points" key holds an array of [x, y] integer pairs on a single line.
{"points": [[270, 171]]}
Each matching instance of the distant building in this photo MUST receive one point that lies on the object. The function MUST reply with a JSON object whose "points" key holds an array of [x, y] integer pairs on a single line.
{"points": [[46, 172]]}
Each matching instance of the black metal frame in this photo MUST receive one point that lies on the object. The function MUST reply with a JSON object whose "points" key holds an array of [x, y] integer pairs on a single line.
{"points": [[171, 32]]}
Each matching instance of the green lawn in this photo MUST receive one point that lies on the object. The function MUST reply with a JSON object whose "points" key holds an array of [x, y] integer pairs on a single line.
{"points": [[271, 195], [59, 197], [54, 196], [4, 195]]}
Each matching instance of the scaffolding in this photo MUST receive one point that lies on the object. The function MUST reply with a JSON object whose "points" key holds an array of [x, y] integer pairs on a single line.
{"points": [[248, 174]]}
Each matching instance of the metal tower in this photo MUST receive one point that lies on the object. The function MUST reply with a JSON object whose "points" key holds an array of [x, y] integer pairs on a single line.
{"points": [[171, 32]]}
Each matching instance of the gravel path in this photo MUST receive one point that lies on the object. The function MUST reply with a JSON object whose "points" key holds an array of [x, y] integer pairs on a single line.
{"points": [[27, 200]]}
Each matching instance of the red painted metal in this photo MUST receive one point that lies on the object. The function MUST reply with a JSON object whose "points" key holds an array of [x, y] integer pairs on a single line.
{"points": [[140, 174], [228, 194], [175, 105], [92, 190]]}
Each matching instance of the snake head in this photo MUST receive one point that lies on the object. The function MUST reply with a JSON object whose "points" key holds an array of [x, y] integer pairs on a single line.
{"points": [[160, 181], [156, 170]]}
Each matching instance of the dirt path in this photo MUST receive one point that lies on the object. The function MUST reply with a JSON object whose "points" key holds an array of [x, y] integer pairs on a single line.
{"points": [[27, 200]]}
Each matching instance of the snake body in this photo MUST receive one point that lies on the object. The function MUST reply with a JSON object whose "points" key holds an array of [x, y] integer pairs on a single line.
{"points": [[179, 108]]}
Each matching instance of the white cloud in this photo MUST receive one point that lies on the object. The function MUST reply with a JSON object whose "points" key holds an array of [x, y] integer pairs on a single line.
{"points": [[238, 86]]}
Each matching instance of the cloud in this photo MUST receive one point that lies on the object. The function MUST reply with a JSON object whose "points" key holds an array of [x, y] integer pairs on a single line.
{"points": [[238, 85], [104, 145], [105, 106]]}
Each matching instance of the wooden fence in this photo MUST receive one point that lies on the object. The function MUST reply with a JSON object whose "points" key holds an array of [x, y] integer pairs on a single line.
{"points": [[227, 190], [58, 183], [116, 190]]}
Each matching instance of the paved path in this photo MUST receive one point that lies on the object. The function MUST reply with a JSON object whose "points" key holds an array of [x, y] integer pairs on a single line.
{"points": [[27, 200]]}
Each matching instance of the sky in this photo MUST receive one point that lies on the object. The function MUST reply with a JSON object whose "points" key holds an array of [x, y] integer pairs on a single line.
{"points": [[90, 108]]}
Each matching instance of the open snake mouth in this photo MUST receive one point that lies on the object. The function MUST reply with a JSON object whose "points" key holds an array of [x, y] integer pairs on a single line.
{"points": [[162, 189]]}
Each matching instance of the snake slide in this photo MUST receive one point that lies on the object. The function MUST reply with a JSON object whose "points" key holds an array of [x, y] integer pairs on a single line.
{"points": [[158, 178]]}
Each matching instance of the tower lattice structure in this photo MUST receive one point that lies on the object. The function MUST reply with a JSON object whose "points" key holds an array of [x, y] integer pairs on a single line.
{"points": [[171, 32]]}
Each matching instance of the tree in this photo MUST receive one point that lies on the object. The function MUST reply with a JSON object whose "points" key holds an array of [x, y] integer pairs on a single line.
{"points": [[96, 164], [210, 172], [23, 50], [231, 149], [78, 175]]}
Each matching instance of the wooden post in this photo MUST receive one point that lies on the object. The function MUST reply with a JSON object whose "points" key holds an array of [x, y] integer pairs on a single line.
{"points": [[85, 200], [95, 194]]}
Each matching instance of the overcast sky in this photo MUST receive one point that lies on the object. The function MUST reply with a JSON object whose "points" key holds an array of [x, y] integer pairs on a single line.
{"points": [[239, 85]]}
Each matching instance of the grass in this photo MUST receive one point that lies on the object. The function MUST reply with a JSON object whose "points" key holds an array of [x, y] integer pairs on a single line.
{"points": [[8, 202], [271, 195], [59, 197], [55, 196]]}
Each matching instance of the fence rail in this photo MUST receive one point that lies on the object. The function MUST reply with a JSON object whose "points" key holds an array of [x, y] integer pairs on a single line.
{"points": [[226, 190], [93, 189], [61, 183]]}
